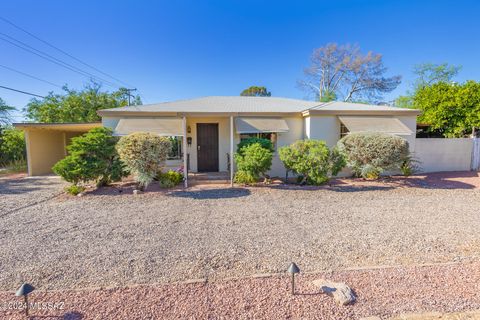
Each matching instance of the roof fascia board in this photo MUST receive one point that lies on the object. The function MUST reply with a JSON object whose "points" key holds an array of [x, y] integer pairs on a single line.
{"points": [[362, 112]]}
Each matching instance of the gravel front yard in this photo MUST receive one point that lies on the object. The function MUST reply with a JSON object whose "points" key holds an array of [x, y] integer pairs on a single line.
{"points": [[119, 239]]}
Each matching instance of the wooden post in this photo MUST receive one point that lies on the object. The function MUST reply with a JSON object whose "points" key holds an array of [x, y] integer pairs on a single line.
{"points": [[231, 151], [185, 169]]}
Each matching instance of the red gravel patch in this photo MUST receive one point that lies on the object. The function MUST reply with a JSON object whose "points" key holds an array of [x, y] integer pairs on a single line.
{"points": [[382, 292]]}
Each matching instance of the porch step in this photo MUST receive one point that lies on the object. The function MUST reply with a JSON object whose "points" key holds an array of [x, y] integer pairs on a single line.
{"points": [[208, 178], [209, 175], [209, 182]]}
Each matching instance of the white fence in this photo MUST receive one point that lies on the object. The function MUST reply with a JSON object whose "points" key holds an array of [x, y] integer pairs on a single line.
{"points": [[476, 154], [447, 154]]}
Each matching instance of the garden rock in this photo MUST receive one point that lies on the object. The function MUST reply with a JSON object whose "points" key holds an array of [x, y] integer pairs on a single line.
{"points": [[340, 292]]}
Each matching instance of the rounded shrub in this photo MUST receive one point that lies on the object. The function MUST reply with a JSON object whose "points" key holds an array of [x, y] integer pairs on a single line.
{"points": [[143, 154], [369, 154], [169, 179], [312, 160], [252, 161], [91, 157]]}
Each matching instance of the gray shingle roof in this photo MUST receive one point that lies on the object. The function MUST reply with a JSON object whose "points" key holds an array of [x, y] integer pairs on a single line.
{"points": [[239, 104]]}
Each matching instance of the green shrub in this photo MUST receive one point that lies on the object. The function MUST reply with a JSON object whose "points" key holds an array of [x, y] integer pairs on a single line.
{"points": [[410, 166], [265, 143], [143, 154], [74, 189], [12, 146], [91, 157], [312, 160], [253, 161], [369, 154], [244, 177], [169, 179]]}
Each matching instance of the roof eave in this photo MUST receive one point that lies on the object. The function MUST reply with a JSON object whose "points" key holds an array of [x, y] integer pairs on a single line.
{"points": [[105, 113], [403, 112]]}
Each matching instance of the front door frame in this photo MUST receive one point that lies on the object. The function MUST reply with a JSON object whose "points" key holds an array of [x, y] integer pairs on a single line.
{"points": [[208, 162]]}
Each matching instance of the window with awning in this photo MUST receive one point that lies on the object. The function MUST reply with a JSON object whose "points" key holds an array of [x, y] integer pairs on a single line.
{"points": [[260, 125], [390, 125], [160, 126]]}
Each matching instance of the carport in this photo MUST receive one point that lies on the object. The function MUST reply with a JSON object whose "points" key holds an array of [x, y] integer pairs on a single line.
{"points": [[46, 143]]}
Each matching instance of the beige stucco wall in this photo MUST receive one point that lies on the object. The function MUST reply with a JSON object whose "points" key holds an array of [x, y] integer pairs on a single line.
{"points": [[444, 154], [411, 123], [44, 149], [325, 128]]}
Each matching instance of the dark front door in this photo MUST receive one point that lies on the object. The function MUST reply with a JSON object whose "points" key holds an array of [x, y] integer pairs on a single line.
{"points": [[207, 147]]}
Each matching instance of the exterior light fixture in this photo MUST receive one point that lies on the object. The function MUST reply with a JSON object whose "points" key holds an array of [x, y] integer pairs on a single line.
{"points": [[293, 269], [189, 130], [24, 290]]}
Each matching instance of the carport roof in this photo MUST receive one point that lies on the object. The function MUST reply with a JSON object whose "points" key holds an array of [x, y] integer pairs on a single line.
{"points": [[72, 127]]}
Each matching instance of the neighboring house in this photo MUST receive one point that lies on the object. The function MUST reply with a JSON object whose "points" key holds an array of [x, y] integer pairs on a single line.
{"points": [[209, 128]]}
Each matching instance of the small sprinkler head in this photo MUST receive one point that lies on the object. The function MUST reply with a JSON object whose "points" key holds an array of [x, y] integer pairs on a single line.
{"points": [[24, 291]]}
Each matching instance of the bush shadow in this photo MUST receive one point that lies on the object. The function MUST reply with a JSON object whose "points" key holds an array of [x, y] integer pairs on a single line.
{"points": [[214, 193], [25, 184], [72, 315], [462, 180]]}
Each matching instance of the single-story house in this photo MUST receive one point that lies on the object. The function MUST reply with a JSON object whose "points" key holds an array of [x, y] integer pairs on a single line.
{"points": [[208, 129]]}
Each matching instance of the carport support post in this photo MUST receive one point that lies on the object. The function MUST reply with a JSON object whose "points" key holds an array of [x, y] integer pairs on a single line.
{"points": [[231, 151], [185, 171]]}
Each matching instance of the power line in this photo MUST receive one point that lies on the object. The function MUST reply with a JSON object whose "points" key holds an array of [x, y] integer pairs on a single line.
{"points": [[64, 52], [24, 92], [54, 60], [30, 76]]}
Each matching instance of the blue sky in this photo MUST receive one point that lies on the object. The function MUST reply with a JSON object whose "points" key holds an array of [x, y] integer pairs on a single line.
{"points": [[181, 49]]}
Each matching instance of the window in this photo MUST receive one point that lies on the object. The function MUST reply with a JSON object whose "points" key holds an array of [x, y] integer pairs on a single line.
{"points": [[176, 150], [343, 130], [264, 135]]}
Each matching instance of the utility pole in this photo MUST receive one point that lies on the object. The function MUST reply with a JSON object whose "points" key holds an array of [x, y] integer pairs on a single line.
{"points": [[129, 93]]}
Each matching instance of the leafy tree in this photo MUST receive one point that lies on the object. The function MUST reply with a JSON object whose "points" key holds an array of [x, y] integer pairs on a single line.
{"points": [[368, 154], [312, 160], [143, 154], [91, 157], [253, 161], [12, 145], [255, 91], [343, 71], [76, 106], [5, 117], [427, 74], [431, 73], [453, 109]]}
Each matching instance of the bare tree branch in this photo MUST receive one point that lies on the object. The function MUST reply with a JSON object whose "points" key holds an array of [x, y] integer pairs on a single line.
{"points": [[337, 69]]}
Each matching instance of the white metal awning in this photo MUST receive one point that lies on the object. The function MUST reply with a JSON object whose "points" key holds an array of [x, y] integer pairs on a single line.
{"points": [[160, 126], [260, 124], [390, 125]]}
